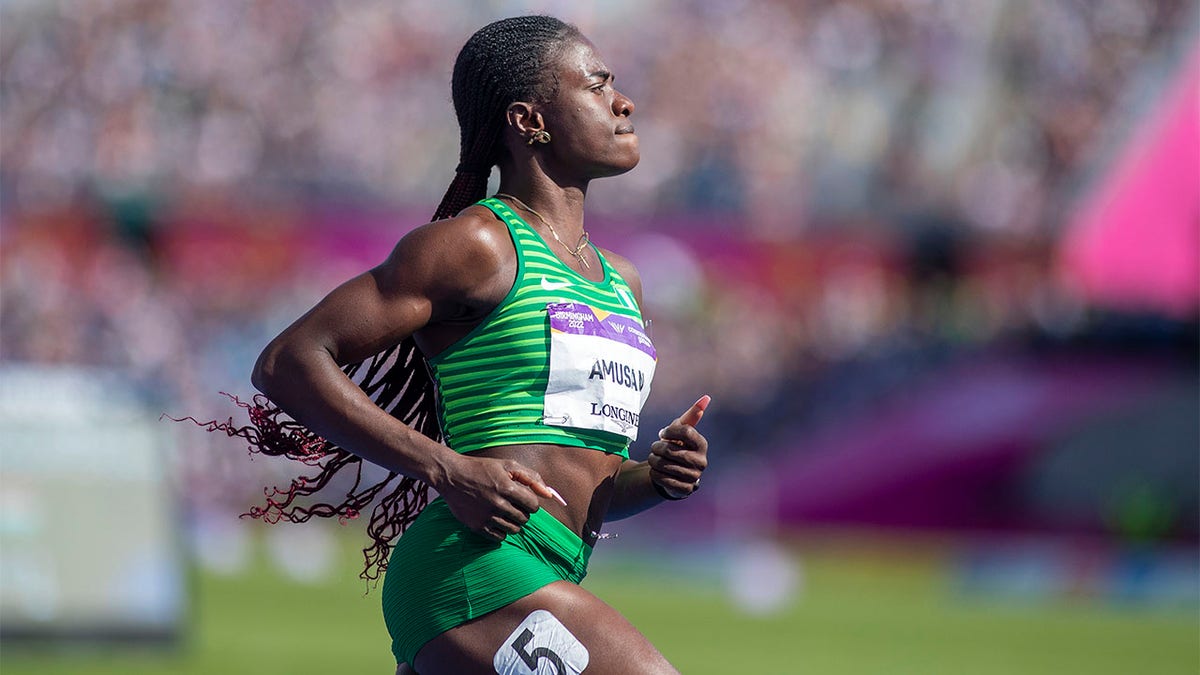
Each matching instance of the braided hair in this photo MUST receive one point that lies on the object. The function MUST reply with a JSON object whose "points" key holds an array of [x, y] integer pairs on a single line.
{"points": [[505, 61]]}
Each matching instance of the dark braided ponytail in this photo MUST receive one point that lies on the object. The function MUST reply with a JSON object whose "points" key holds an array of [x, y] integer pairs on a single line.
{"points": [[509, 60], [505, 61]]}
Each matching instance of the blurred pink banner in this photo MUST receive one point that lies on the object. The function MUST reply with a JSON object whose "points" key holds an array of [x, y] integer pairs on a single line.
{"points": [[1134, 242]]}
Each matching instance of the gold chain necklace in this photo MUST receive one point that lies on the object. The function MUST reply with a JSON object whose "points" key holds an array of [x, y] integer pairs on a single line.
{"points": [[583, 240]]}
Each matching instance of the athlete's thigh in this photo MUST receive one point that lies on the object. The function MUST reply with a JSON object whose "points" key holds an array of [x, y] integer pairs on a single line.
{"points": [[609, 643]]}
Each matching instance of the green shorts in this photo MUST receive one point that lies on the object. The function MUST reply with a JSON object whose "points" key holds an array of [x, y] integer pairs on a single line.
{"points": [[442, 575]]}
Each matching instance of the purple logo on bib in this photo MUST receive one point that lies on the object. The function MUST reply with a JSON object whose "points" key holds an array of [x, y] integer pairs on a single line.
{"points": [[576, 318]]}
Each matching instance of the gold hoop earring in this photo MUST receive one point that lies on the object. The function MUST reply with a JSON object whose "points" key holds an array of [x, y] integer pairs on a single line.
{"points": [[541, 136]]}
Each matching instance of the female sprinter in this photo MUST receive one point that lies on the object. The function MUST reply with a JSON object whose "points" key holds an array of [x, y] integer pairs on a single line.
{"points": [[534, 339]]}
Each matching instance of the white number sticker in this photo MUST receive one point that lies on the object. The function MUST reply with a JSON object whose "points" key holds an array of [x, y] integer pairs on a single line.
{"points": [[541, 645]]}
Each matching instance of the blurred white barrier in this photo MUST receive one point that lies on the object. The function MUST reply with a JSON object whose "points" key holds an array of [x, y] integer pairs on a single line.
{"points": [[89, 544]]}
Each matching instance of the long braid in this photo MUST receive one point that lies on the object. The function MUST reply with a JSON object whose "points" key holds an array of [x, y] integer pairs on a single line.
{"points": [[505, 61]]}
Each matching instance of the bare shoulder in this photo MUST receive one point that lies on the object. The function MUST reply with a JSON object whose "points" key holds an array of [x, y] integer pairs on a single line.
{"points": [[624, 266], [474, 232], [456, 258], [461, 266], [627, 270]]}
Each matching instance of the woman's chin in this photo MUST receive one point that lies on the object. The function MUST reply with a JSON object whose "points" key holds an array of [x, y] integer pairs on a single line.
{"points": [[625, 162]]}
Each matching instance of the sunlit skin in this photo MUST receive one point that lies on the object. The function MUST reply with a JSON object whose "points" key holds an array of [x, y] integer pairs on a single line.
{"points": [[591, 122], [437, 285]]}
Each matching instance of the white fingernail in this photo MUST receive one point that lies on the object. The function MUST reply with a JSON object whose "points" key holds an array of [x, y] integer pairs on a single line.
{"points": [[661, 432], [556, 495]]}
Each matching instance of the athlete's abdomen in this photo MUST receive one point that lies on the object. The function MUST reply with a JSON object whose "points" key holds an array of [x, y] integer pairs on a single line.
{"points": [[585, 478]]}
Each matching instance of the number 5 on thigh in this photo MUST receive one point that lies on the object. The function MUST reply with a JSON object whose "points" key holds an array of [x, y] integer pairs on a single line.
{"points": [[541, 644]]}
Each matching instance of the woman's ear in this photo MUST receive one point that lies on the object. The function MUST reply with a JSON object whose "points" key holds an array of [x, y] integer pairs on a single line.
{"points": [[523, 119]]}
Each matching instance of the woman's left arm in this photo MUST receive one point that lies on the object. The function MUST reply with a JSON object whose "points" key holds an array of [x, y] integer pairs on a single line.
{"points": [[672, 472], [677, 458]]}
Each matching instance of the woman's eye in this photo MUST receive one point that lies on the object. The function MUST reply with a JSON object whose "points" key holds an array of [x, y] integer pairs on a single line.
{"points": [[598, 88]]}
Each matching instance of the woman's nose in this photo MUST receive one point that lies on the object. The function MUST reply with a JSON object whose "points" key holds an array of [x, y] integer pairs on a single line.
{"points": [[622, 106]]}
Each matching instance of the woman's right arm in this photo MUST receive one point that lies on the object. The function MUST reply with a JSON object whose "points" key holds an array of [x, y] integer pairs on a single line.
{"points": [[436, 273]]}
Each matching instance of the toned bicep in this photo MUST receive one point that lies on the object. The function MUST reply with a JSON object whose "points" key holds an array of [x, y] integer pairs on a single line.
{"points": [[363, 316]]}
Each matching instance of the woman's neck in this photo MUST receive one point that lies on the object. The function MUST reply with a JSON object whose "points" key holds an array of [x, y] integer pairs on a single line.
{"points": [[562, 206]]}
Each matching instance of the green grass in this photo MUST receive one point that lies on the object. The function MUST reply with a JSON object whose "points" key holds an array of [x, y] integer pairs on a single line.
{"points": [[857, 614], [855, 619]]}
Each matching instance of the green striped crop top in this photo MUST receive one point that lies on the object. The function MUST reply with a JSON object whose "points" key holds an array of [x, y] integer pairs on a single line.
{"points": [[561, 360]]}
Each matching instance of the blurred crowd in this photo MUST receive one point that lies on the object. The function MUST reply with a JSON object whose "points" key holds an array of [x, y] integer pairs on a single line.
{"points": [[774, 332], [783, 112], [823, 183]]}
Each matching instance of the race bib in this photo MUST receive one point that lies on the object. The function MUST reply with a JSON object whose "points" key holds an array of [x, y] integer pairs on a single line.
{"points": [[541, 645], [601, 365]]}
